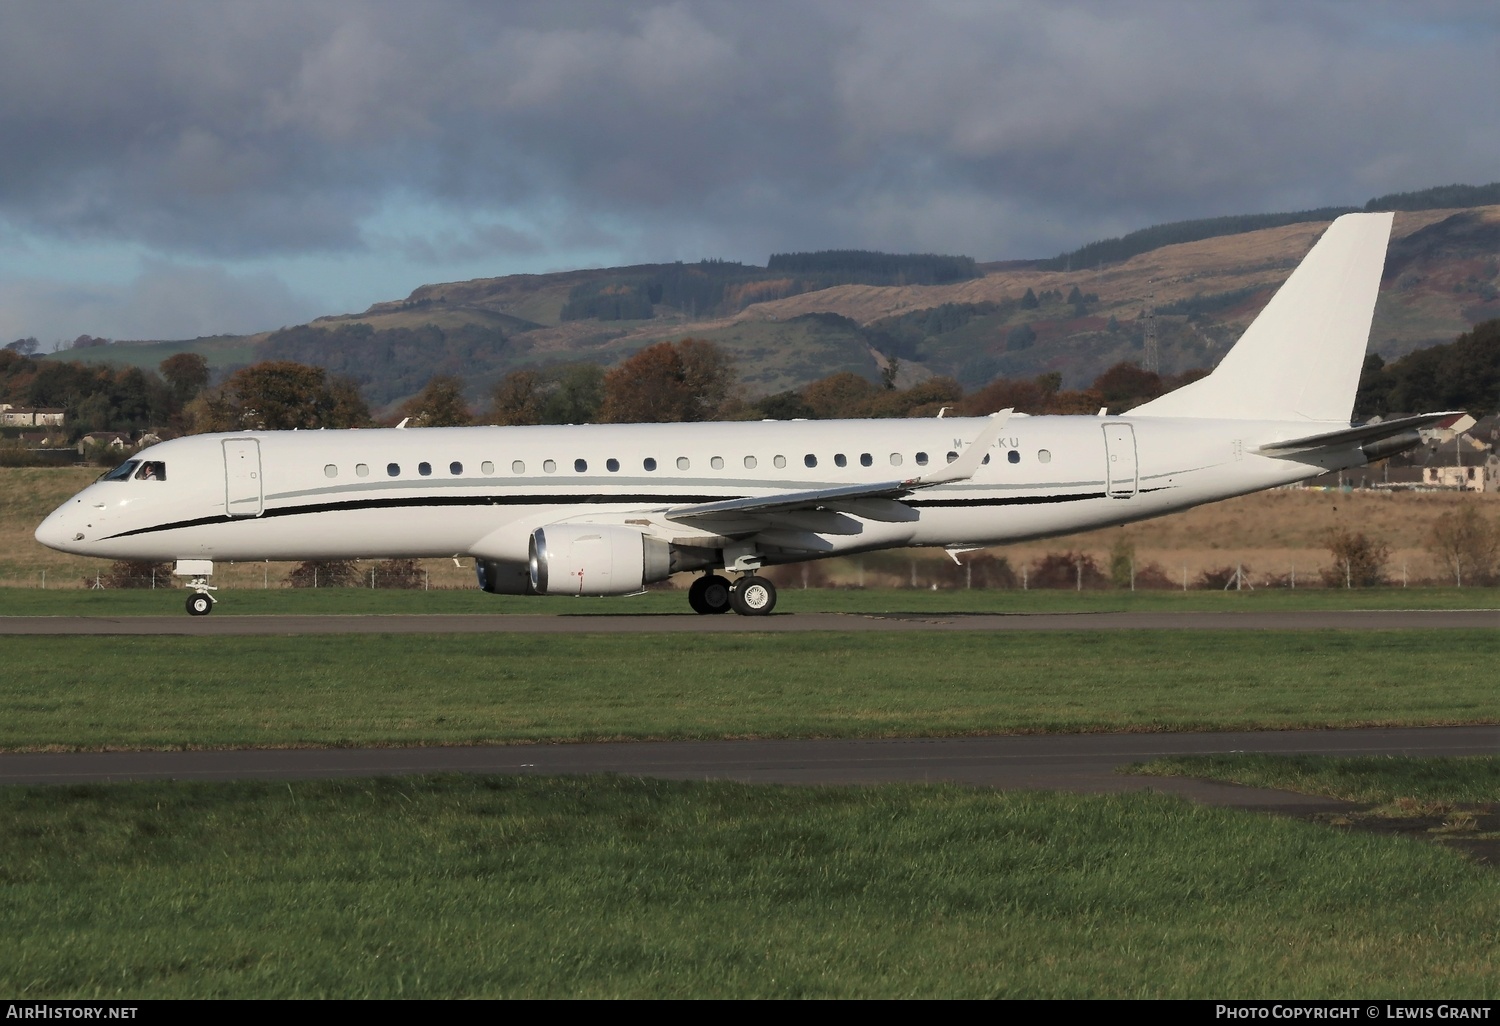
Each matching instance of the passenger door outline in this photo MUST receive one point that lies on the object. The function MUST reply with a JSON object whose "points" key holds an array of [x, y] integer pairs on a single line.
{"points": [[1122, 467], [244, 495]]}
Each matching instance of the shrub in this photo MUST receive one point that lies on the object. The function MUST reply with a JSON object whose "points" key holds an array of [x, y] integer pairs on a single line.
{"points": [[324, 573], [398, 573], [1358, 561], [127, 573], [1467, 546], [1066, 570]]}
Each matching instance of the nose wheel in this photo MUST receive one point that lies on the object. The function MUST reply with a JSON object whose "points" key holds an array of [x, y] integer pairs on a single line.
{"points": [[200, 602]]}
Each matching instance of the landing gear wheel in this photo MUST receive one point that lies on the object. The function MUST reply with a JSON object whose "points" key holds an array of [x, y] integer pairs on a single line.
{"points": [[199, 604], [709, 595], [753, 596]]}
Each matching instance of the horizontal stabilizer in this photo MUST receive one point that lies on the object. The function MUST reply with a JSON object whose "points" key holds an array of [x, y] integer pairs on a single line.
{"points": [[1346, 437]]}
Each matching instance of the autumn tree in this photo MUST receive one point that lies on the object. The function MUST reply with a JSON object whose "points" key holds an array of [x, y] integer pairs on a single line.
{"points": [[279, 396], [440, 404], [844, 394], [1126, 385], [186, 374], [668, 382], [570, 394], [517, 399]]}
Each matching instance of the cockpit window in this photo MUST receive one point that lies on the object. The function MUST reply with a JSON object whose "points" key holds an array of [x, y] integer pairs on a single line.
{"points": [[152, 470], [122, 472]]}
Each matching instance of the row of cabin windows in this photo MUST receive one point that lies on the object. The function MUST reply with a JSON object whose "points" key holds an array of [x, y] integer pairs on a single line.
{"points": [[683, 463]]}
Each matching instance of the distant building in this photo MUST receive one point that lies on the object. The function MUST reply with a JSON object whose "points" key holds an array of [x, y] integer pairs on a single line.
{"points": [[26, 416], [1483, 477], [112, 439]]}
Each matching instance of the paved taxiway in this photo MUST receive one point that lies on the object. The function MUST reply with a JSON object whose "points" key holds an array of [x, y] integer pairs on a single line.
{"points": [[1074, 762], [605, 623]]}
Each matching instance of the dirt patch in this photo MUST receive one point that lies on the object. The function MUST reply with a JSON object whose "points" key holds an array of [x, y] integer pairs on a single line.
{"points": [[1473, 830]]}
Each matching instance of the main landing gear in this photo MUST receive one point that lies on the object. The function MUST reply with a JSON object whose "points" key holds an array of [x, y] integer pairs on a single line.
{"points": [[748, 596]]}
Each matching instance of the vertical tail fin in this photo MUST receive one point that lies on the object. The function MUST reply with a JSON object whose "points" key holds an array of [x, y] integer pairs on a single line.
{"points": [[1301, 358]]}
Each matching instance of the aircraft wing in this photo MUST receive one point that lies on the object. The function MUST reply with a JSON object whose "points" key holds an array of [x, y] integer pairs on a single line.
{"points": [[878, 501], [1346, 437]]}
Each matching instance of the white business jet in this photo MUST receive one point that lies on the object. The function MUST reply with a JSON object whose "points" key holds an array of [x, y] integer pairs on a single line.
{"points": [[606, 509]]}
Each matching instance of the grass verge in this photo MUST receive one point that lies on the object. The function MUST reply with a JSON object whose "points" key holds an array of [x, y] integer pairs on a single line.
{"points": [[150, 692], [1381, 781], [359, 601], [515, 887]]}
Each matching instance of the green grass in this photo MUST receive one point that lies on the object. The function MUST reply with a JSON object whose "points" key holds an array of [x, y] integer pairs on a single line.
{"points": [[605, 887], [1385, 780], [155, 692], [255, 600]]}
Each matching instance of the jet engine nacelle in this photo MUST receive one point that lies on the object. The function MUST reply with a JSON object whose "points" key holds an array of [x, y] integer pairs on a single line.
{"points": [[595, 559]]}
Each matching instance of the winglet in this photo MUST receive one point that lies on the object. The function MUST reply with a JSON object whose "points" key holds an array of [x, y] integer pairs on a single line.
{"points": [[970, 459]]}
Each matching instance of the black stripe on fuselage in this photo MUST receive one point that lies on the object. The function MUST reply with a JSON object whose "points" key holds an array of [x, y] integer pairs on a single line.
{"points": [[432, 501]]}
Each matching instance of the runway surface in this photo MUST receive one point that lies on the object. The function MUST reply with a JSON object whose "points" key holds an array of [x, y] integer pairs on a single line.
{"points": [[530, 623], [1076, 762]]}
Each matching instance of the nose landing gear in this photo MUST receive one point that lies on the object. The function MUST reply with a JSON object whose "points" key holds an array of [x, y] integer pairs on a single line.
{"points": [[201, 601]]}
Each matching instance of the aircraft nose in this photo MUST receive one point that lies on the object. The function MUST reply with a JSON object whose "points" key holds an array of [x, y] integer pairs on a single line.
{"points": [[58, 531]]}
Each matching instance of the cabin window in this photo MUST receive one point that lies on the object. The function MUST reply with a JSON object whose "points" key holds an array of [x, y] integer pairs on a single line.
{"points": [[517, 467], [895, 459], [361, 470], [393, 469], [780, 462], [1044, 455], [809, 460], [152, 470], [455, 469], [486, 467], [717, 463], [122, 472], [580, 466], [425, 469], [612, 465], [839, 460], [683, 463], [749, 462], [921, 459], [649, 463], [1014, 456], [550, 466], [330, 470], [865, 459], [952, 455]]}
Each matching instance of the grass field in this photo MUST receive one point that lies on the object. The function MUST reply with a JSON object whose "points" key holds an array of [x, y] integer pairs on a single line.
{"points": [[98, 693], [497, 887]]}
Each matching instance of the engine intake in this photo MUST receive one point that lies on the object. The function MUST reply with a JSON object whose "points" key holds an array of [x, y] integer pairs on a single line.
{"points": [[595, 559]]}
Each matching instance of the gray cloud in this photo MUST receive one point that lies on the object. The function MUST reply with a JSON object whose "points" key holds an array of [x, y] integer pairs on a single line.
{"points": [[165, 300], [684, 129]]}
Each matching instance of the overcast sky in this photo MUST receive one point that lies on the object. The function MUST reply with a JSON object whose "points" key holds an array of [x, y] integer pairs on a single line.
{"points": [[170, 169]]}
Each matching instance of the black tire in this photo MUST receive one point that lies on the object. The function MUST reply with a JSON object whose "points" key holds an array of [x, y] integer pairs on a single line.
{"points": [[753, 596], [199, 604], [709, 595]]}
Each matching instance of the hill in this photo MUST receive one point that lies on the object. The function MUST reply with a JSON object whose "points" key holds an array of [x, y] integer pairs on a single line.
{"points": [[808, 315]]}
